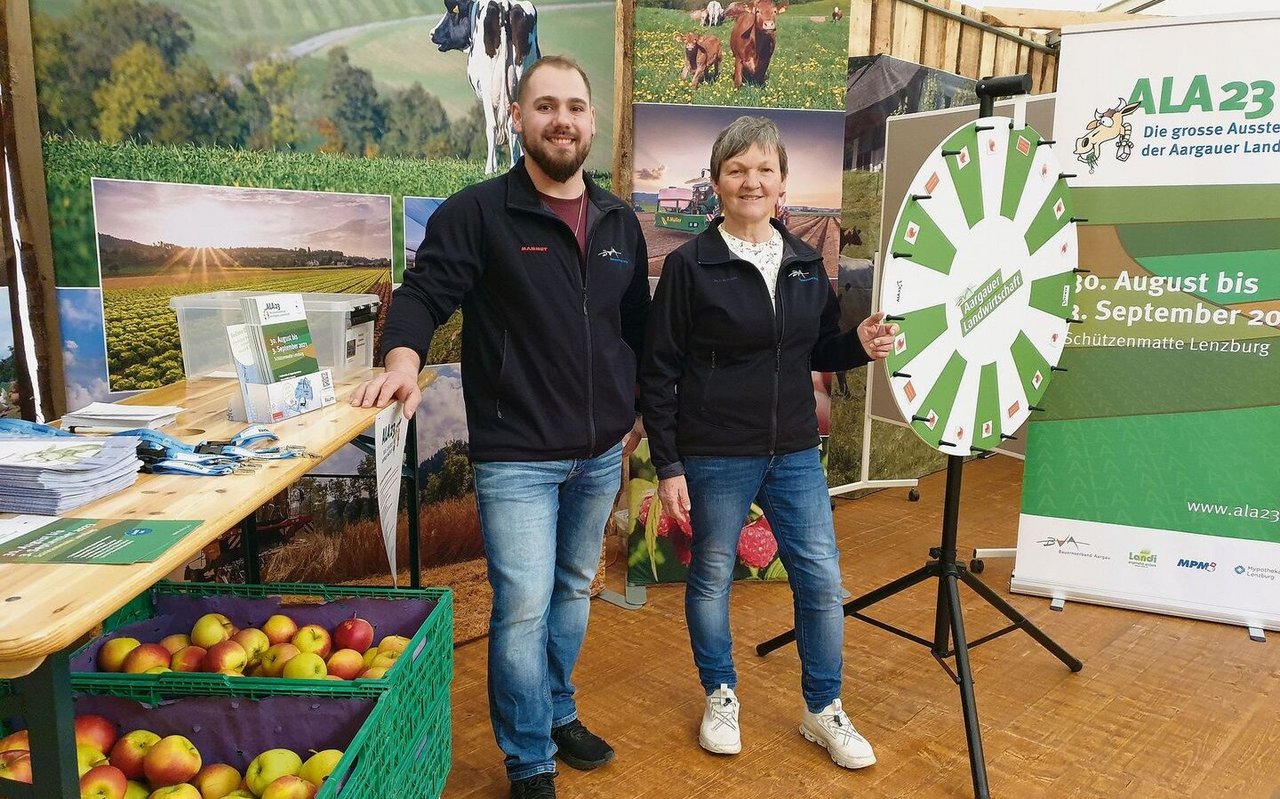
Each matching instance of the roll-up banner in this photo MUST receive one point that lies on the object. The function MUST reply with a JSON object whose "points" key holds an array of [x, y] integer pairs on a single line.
{"points": [[1150, 477]]}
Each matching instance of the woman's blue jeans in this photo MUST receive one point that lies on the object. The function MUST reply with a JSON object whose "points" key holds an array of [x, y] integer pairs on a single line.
{"points": [[543, 525], [792, 490]]}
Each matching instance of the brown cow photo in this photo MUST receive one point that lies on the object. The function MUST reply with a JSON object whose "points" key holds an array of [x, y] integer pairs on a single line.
{"points": [[782, 54]]}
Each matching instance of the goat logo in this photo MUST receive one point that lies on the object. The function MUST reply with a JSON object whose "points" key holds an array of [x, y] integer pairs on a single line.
{"points": [[1109, 125]]}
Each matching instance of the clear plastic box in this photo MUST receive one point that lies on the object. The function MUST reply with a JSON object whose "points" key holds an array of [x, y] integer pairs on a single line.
{"points": [[341, 327]]}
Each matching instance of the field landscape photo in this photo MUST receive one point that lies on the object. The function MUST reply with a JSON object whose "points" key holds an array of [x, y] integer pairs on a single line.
{"points": [[673, 148], [161, 240]]}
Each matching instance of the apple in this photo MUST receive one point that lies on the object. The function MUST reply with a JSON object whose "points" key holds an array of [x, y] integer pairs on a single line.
{"points": [[129, 751], [103, 782], [226, 624], [180, 791], [173, 759], [112, 654], [175, 642], [240, 793], [394, 644], [216, 780], [136, 790], [279, 629], [275, 658], [87, 757], [305, 666], [223, 657], [18, 740], [289, 787], [373, 673], [158, 670], [345, 663], [320, 765], [383, 660], [254, 641], [145, 656], [354, 633], [208, 630], [15, 764], [369, 655], [96, 731], [269, 766], [188, 658], [313, 638]]}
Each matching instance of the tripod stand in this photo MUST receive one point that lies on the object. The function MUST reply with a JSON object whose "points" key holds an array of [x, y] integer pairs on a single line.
{"points": [[948, 625]]}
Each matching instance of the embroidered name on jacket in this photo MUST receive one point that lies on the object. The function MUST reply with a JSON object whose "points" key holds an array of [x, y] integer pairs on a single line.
{"points": [[533, 248], [614, 256], [801, 275]]}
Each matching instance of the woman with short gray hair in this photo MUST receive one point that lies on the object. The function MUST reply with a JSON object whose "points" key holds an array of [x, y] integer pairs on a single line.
{"points": [[741, 314]]}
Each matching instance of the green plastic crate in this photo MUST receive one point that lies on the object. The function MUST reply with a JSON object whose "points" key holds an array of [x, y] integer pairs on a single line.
{"points": [[427, 660]]}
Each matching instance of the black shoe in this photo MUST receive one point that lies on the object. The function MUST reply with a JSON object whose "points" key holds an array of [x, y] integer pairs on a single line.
{"points": [[579, 747], [539, 786]]}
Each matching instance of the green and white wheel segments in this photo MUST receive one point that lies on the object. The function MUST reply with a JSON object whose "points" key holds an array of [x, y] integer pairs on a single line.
{"points": [[981, 268]]}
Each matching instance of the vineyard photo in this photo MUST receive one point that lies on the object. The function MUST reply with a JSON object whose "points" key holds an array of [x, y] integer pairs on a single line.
{"points": [[161, 240]]}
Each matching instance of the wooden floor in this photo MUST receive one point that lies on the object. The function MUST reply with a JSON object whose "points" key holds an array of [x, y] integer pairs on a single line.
{"points": [[1164, 707]]}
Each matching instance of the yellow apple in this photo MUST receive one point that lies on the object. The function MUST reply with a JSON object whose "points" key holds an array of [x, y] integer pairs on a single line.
{"points": [[112, 654], [320, 765], [269, 766]]}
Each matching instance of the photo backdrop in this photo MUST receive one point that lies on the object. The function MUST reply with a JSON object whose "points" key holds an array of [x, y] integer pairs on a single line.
{"points": [[218, 104]]}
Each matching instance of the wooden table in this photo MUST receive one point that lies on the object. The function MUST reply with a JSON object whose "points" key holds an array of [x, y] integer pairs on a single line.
{"points": [[45, 609]]}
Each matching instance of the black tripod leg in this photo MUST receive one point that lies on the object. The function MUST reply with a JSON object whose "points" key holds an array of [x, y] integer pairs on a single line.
{"points": [[996, 601], [972, 732], [854, 605]]}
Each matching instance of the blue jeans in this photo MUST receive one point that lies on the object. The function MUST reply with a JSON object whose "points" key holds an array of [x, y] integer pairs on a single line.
{"points": [[543, 526], [792, 490]]}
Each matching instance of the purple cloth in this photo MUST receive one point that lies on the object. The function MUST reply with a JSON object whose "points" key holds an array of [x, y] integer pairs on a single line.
{"points": [[233, 730], [177, 613]]}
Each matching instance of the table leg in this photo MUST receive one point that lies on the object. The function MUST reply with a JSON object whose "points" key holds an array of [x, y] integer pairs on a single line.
{"points": [[249, 544], [43, 699]]}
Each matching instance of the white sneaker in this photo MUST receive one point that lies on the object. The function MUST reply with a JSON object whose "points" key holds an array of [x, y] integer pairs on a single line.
{"points": [[831, 729], [719, 732]]}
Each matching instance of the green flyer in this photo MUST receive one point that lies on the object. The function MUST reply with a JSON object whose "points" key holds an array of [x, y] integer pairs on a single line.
{"points": [[47, 539]]}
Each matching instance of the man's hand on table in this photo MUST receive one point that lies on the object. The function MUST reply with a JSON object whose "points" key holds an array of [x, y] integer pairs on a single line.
{"points": [[398, 382]]}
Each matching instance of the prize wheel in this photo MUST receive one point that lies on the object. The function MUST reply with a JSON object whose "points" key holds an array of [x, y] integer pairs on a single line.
{"points": [[981, 271]]}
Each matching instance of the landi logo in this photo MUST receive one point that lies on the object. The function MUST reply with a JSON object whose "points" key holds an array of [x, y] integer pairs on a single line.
{"points": [[1145, 559], [1198, 565]]}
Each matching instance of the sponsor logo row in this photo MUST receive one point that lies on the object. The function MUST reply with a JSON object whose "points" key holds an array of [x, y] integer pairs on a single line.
{"points": [[1150, 559]]}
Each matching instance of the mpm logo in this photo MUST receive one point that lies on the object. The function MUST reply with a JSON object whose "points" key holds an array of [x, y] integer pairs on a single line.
{"points": [[1199, 565]]}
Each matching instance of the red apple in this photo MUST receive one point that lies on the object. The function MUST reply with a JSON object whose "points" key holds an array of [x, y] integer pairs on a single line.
{"points": [[103, 782], [129, 751], [275, 658], [289, 787], [269, 766], [146, 656], [188, 658], [305, 666], [17, 740], [224, 657], [345, 663], [172, 760], [254, 641], [175, 642], [112, 654], [208, 630], [313, 638], [96, 731], [354, 633], [216, 780], [279, 629], [15, 764]]}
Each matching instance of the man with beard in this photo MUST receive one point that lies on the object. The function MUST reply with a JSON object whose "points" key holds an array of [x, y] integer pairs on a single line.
{"points": [[551, 273]]}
